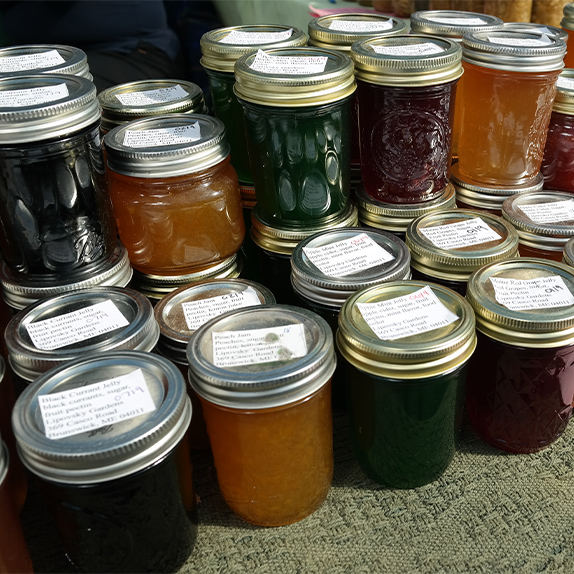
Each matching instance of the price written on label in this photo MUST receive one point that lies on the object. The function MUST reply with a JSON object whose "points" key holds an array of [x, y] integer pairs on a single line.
{"points": [[524, 294], [460, 234], [151, 97], [163, 136], [290, 65]]}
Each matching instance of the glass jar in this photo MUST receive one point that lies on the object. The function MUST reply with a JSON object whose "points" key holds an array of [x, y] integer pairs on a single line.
{"points": [[145, 98], [56, 216], [105, 438], [64, 327], [544, 221], [406, 88], [220, 49], [394, 217], [558, 161], [183, 311], [567, 24], [448, 246], [568, 253], [521, 380], [405, 346], [297, 104], [487, 198], [514, 11], [174, 193], [263, 376], [276, 244], [510, 84]]}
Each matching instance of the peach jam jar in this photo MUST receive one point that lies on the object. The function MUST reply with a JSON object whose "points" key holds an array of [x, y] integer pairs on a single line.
{"points": [[544, 221], [405, 345], [510, 84], [567, 24], [263, 375], [447, 246], [406, 88], [521, 379], [174, 193], [297, 106]]}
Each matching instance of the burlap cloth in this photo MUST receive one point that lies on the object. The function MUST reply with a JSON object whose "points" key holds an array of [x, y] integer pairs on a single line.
{"points": [[490, 512]]}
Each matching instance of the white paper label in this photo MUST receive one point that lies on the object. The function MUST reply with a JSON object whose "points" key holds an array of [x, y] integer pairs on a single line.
{"points": [[422, 49], [242, 38], [35, 61], [76, 326], [565, 83], [290, 65], [163, 136], [526, 42], [234, 348], [523, 294], [457, 21], [347, 256], [33, 96], [557, 211], [360, 26], [94, 406], [151, 97], [407, 315], [197, 313], [460, 234]]}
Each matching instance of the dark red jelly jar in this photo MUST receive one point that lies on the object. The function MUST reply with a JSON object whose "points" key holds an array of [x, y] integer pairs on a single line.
{"points": [[521, 377]]}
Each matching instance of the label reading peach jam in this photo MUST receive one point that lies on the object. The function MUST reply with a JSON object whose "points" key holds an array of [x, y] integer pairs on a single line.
{"points": [[360, 25], [36, 61], [552, 212], [151, 97], [243, 38], [290, 65], [460, 234], [33, 96], [524, 294], [162, 136]]}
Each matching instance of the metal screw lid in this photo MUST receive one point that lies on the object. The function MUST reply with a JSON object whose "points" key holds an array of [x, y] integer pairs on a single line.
{"points": [[220, 51], [407, 60], [564, 100], [568, 21], [127, 446], [45, 106], [543, 327], [452, 23], [340, 31], [537, 29]]}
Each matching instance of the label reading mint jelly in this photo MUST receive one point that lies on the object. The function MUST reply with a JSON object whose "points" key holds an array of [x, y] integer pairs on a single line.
{"points": [[235, 348], [407, 315], [162, 136], [242, 38], [33, 96], [460, 234], [94, 406], [35, 61], [422, 49], [347, 256], [554, 212], [150, 97], [457, 21], [290, 65], [521, 42], [198, 312], [524, 294], [360, 25]]}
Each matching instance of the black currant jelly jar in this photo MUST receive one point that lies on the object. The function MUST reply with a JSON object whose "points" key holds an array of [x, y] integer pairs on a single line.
{"points": [[105, 438], [55, 213]]}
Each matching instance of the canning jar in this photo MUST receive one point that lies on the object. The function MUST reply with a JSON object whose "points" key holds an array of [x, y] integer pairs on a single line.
{"points": [[394, 217], [263, 376], [297, 105], [174, 193], [220, 49], [406, 88], [447, 246], [104, 437], [183, 311], [510, 84], [544, 221], [56, 213], [520, 380], [558, 161], [405, 345], [567, 24]]}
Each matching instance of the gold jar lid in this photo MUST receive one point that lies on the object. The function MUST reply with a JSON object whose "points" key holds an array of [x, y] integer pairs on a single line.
{"points": [[568, 21], [407, 60], [564, 100], [451, 244], [222, 47], [294, 77], [340, 31], [364, 341], [529, 307]]}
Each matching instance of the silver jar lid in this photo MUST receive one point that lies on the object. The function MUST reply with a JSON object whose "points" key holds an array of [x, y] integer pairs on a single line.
{"points": [[166, 146], [329, 266], [19, 291], [568, 21], [452, 23], [552, 31], [40, 107], [184, 310], [43, 59], [296, 345], [514, 51], [340, 31], [127, 102], [222, 47], [98, 450], [64, 327]]}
